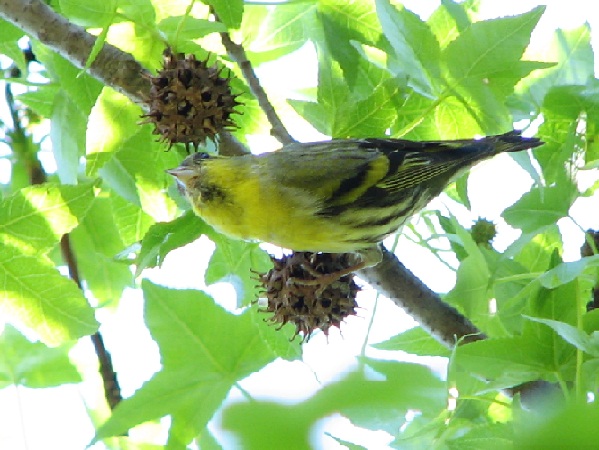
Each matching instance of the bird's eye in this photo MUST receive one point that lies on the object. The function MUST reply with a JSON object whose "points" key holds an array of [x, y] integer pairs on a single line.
{"points": [[198, 157]]}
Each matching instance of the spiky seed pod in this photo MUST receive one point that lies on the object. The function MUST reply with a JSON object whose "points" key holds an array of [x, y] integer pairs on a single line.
{"points": [[295, 295], [483, 232], [189, 101]]}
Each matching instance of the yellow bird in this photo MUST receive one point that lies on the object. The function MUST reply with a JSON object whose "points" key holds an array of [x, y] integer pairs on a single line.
{"points": [[338, 196]]}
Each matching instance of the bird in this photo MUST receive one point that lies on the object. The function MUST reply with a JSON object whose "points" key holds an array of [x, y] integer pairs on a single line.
{"points": [[336, 196]]}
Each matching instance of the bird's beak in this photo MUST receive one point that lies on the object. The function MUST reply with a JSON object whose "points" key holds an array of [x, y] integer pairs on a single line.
{"points": [[182, 174]]}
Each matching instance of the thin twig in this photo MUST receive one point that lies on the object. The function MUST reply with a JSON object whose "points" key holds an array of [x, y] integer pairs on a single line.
{"points": [[237, 53], [112, 390]]}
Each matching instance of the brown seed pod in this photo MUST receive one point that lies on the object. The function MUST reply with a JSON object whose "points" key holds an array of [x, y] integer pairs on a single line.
{"points": [[295, 295], [190, 101]]}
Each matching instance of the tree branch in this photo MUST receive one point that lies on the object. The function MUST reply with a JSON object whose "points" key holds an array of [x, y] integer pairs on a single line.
{"points": [[392, 279], [111, 66]]}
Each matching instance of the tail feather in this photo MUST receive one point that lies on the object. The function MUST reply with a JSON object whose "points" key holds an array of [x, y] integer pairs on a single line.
{"points": [[513, 142]]}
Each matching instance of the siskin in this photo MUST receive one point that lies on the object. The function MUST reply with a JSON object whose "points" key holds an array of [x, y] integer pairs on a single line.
{"points": [[338, 196]]}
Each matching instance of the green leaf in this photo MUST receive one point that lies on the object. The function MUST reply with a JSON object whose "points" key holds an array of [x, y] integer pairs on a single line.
{"points": [[540, 207], [270, 33], [453, 118], [229, 12], [369, 117], [33, 294], [33, 365], [314, 113], [164, 237], [575, 65], [337, 29], [347, 444], [279, 339], [89, 14], [550, 304], [341, 113], [471, 292], [534, 251], [130, 220], [483, 63], [563, 109], [179, 29], [34, 219], [590, 321], [207, 441], [512, 282], [97, 47], [139, 11], [96, 243], [576, 337], [25, 160], [357, 396], [488, 48], [508, 361], [415, 341], [82, 89], [358, 19], [68, 137], [415, 119], [137, 173], [333, 92], [416, 48], [111, 122], [41, 100], [567, 271], [497, 436], [143, 42], [447, 21], [371, 75], [261, 425], [565, 424], [562, 145], [9, 32], [590, 374], [12, 50], [558, 355], [234, 262], [489, 110], [204, 351]]}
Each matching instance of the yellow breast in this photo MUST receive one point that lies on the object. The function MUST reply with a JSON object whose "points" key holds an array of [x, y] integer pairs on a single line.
{"points": [[251, 208]]}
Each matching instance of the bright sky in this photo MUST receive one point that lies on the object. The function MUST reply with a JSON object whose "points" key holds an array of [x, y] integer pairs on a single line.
{"points": [[30, 418]]}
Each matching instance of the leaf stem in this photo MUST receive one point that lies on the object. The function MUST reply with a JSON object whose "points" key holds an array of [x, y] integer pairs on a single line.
{"points": [[579, 352]]}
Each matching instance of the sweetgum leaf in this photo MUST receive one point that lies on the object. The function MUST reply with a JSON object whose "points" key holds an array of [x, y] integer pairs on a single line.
{"points": [[204, 352], [32, 364]]}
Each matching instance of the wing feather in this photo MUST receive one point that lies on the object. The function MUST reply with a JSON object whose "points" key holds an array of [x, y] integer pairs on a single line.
{"points": [[334, 174]]}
